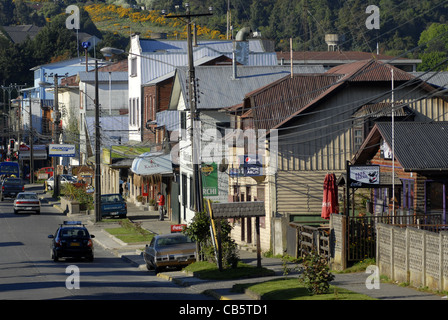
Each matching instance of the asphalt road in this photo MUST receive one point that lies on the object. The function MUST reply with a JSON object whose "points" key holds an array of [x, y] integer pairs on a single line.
{"points": [[28, 273]]}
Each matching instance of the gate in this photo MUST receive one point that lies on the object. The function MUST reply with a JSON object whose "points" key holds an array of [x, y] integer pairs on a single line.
{"points": [[311, 238], [361, 231]]}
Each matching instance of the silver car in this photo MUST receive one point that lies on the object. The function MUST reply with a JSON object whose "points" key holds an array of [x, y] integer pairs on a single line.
{"points": [[169, 250], [27, 201], [64, 178]]}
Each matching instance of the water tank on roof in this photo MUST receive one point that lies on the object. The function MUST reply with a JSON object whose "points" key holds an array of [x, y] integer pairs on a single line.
{"points": [[332, 41]]}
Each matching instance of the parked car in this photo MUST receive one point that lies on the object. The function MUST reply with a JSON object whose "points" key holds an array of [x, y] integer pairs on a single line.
{"points": [[71, 240], [169, 250], [11, 187], [44, 173], [113, 205], [63, 178], [27, 201]]}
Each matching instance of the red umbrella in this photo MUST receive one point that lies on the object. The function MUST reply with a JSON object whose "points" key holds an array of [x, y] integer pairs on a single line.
{"points": [[330, 200]]}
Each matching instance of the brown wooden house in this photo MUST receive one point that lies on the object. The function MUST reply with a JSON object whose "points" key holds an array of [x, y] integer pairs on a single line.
{"points": [[421, 164], [317, 122]]}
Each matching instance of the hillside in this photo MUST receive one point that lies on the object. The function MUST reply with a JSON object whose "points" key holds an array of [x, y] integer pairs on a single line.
{"points": [[410, 28]]}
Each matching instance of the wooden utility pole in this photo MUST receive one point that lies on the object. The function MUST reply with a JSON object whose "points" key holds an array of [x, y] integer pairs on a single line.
{"points": [[194, 114], [98, 216]]}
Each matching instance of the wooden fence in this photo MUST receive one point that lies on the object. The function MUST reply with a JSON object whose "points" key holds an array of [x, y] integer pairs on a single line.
{"points": [[346, 240]]}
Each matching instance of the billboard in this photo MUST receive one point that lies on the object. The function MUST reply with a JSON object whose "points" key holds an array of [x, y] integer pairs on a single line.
{"points": [[61, 150]]}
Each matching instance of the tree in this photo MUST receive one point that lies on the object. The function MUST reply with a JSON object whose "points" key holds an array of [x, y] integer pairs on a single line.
{"points": [[434, 43]]}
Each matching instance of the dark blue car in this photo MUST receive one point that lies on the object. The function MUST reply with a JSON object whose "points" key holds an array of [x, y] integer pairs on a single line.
{"points": [[113, 205]]}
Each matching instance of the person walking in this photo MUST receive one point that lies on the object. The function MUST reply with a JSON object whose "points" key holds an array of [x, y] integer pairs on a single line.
{"points": [[161, 204]]}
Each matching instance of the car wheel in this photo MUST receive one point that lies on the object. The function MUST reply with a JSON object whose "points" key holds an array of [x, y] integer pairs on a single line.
{"points": [[90, 258], [38, 212], [54, 257], [49, 188], [149, 267], [15, 211]]}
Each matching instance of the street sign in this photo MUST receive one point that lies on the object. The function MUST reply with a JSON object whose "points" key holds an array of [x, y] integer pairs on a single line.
{"points": [[61, 150]]}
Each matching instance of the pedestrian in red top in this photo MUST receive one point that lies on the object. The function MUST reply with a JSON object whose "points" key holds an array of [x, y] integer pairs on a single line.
{"points": [[161, 204]]}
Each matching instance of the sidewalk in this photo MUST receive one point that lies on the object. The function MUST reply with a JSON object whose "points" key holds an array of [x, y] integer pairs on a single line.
{"points": [[221, 290]]}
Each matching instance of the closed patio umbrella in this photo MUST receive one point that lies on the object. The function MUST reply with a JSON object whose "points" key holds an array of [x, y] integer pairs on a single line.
{"points": [[330, 198]]}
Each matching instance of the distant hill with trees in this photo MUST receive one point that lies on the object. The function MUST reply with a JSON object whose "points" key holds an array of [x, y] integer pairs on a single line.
{"points": [[410, 28]]}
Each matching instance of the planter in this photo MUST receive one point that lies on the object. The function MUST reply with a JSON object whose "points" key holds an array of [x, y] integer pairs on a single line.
{"points": [[69, 206]]}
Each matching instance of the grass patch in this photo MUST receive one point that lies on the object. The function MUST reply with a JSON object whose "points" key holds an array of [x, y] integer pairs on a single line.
{"points": [[209, 271], [293, 289], [130, 232]]}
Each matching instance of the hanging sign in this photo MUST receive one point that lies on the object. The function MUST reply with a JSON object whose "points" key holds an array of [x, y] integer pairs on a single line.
{"points": [[363, 176]]}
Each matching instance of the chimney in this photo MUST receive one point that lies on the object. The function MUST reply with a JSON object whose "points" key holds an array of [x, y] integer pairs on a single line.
{"points": [[240, 50]]}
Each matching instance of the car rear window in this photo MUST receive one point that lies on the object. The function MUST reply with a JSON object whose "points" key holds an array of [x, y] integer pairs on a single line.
{"points": [[111, 198], [73, 233], [13, 181], [26, 196], [163, 242]]}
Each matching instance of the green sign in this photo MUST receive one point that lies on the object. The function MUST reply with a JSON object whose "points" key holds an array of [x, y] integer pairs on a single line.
{"points": [[209, 179]]}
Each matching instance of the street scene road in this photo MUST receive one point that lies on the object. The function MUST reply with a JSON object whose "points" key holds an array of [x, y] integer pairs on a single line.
{"points": [[28, 273]]}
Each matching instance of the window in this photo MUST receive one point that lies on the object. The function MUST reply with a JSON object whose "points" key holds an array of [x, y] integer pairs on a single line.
{"points": [[133, 67]]}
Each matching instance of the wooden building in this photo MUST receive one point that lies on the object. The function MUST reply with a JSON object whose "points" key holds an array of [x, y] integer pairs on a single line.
{"points": [[317, 122]]}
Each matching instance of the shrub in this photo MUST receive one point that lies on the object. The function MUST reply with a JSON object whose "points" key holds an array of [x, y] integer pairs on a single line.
{"points": [[316, 275], [199, 231]]}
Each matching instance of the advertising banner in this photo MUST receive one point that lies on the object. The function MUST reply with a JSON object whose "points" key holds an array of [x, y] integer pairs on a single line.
{"points": [[61, 150], [364, 176], [39, 152], [209, 179]]}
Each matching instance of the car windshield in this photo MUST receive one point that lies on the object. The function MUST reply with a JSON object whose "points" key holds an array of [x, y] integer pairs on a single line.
{"points": [[69, 178], [111, 198], [73, 233], [27, 196], [170, 241], [13, 181]]}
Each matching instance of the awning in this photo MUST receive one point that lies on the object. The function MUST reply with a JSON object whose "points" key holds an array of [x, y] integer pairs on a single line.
{"points": [[149, 163]]}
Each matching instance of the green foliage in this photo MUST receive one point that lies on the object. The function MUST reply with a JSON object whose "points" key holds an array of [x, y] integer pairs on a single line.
{"points": [[199, 231], [79, 194], [316, 274]]}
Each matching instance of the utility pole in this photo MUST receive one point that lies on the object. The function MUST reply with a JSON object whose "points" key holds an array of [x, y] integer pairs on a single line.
{"points": [[97, 150], [194, 114], [56, 135], [31, 144]]}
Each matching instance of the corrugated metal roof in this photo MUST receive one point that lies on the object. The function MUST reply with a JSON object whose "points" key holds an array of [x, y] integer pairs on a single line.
{"points": [[103, 76], [217, 89], [371, 70], [160, 64], [278, 103], [180, 46], [169, 119], [418, 145], [348, 56], [439, 79]]}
